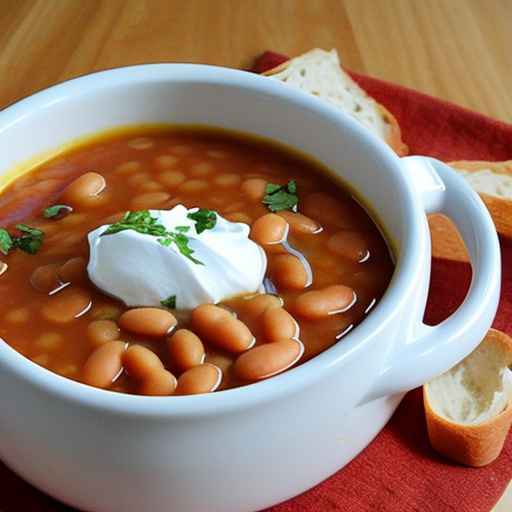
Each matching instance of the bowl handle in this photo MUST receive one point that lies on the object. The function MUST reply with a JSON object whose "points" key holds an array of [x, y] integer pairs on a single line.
{"points": [[435, 349]]}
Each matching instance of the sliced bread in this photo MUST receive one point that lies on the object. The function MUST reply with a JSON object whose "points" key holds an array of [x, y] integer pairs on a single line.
{"points": [[319, 72], [469, 408], [493, 181]]}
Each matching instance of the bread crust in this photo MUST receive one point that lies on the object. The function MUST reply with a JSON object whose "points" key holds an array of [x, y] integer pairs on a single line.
{"points": [[471, 445], [394, 137], [499, 207]]}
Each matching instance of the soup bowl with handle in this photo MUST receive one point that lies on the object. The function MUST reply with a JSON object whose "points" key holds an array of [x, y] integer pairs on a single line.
{"points": [[247, 448]]}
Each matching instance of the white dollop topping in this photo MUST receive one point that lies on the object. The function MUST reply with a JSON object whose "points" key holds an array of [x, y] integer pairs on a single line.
{"points": [[137, 269]]}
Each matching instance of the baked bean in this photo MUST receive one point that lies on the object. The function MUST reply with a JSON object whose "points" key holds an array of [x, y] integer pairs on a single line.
{"points": [[185, 349], [17, 316], [84, 189], [257, 305], [300, 223], [73, 271], [221, 328], [66, 305], [238, 217], [45, 279], [165, 161], [201, 169], [193, 186], [329, 210], [204, 378], [269, 229], [268, 359], [104, 365], [349, 244], [151, 186], [49, 341], [277, 324], [138, 179], [289, 272], [140, 362], [171, 179], [318, 304], [227, 180], [128, 167], [160, 383], [141, 143], [254, 188], [148, 321], [149, 200], [102, 331]]}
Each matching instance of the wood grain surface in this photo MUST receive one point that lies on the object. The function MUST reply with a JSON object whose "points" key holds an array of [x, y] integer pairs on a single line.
{"points": [[459, 50]]}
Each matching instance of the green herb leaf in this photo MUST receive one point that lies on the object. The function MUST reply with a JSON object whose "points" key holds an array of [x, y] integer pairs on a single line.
{"points": [[204, 219], [181, 242], [170, 302], [142, 222], [281, 197], [6, 241], [31, 239], [56, 210]]}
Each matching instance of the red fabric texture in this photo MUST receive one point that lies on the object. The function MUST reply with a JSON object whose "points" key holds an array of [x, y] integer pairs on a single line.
{"points": [[398, 472]]}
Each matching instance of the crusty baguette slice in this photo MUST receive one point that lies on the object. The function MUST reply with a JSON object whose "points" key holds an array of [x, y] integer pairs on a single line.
{"points": [[493, 181], [469, 408], [319, 73], [446, 240]]}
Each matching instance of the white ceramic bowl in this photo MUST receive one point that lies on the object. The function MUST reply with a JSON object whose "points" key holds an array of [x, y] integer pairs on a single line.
{"points": [[247, 448]]}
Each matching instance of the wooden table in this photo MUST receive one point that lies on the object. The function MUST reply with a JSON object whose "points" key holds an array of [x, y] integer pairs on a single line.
{"points": [[459, 50]]}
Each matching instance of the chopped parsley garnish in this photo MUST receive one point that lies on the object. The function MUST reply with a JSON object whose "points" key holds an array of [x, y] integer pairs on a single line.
{"points": [[204, 219], [281, 197], [29, 241], [6, 242], [142, 222], [170, 302], [56, 210], [181, 242]]}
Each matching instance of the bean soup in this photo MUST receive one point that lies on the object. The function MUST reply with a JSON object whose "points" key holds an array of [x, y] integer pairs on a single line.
{"points": [[326, 264]]}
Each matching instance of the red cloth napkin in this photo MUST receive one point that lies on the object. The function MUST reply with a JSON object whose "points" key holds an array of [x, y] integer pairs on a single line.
{"points": [[398, 472]]}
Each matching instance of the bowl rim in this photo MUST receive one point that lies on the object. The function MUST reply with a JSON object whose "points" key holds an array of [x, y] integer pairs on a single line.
{"points": [[321, 366]]}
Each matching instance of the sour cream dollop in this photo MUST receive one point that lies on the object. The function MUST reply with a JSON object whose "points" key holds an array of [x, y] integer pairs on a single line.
{"points": [[138, 270]]}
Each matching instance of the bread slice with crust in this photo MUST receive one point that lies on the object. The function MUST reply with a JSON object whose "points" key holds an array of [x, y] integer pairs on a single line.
{"points": [[319, 72], [469, 408], [493, 181]]}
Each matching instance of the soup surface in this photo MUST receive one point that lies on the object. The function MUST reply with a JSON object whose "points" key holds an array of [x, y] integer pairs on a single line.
{"points": [[328, 264]]}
